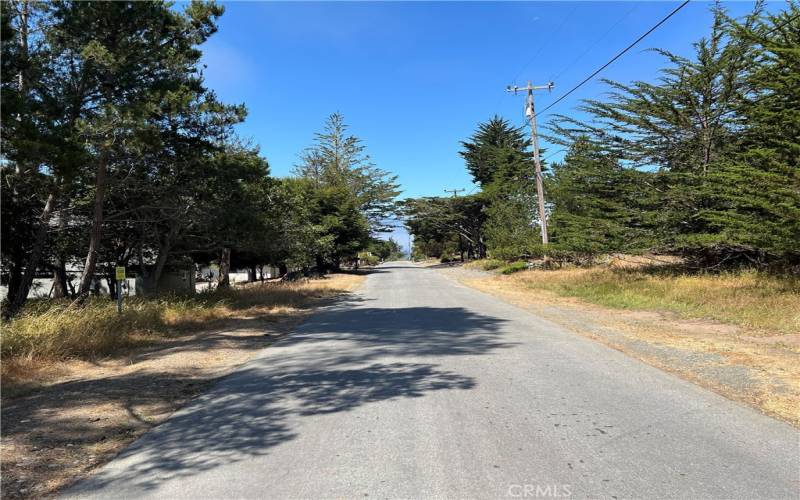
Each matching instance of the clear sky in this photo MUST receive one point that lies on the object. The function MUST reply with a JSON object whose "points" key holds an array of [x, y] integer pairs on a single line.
{"points": [[414, 78]]}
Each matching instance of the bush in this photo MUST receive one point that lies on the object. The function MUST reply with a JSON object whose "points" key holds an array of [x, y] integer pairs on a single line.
{"points": [[491, 264], [514, 267], [368, 259]]}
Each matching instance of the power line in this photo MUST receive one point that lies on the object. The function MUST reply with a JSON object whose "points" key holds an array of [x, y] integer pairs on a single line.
{"points": [[775, 28], [553, 154], [620, 54], [594, 44], [550, 37]]}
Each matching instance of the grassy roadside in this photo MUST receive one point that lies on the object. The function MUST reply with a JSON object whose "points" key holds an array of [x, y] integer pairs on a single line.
{"points": [[79, 385], [52, 331], [735, 333], [747, 299]]}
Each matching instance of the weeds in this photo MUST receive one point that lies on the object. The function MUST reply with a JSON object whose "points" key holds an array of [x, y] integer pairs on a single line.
{"points": [[513, 267], [747, 298], [56, 330], [491, 264]]}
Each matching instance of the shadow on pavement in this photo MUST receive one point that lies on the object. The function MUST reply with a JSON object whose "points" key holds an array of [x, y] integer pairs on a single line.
{"points": [[336, 370]]}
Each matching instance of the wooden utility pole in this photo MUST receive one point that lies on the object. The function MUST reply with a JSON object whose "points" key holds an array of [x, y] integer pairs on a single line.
{"points": [[530, 113]]}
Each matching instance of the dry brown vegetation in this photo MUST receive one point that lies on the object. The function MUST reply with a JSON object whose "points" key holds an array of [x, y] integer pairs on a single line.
{"points": [[748, 299], [736, 333], [72, 401], [52, 330]]}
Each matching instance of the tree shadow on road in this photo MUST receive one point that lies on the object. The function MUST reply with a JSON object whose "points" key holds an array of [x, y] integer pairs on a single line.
{"points": [[409, 331], [344, 358]]}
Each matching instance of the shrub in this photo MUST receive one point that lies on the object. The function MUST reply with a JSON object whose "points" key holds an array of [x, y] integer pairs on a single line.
{"points": [[491, 264], [514, 267], [368, 259]]}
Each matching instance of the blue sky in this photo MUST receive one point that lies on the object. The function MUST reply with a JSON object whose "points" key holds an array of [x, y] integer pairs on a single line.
{"points": [[413, 79]]}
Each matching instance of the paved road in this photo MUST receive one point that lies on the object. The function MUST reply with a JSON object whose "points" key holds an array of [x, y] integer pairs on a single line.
{"points": [[421, 388]]}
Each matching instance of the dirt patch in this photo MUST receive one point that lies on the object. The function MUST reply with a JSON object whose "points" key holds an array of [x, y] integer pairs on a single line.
{"points": [[756, 367], [791, 340], [62, 420]]}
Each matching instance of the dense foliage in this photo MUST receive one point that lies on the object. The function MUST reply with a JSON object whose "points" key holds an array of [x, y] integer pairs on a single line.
{"points": [[116, 154], [701, 162]]}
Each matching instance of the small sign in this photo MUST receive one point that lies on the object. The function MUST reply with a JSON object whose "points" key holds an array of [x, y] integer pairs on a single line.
{"points": [[120, 273]]}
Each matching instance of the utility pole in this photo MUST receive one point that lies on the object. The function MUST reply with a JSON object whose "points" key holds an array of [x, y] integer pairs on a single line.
{"points": [[460, 239], [530, 112]]}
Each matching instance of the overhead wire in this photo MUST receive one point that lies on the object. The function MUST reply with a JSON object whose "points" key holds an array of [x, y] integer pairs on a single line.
{"points": [[546, 43], [541, 48], [594, 44], [620, 54], [775, 28]]}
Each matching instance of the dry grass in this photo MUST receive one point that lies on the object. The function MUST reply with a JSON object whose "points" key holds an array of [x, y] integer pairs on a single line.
{"points": [[55, 330], [428, 262], [748, 299], [485, 264], [68, 409]]}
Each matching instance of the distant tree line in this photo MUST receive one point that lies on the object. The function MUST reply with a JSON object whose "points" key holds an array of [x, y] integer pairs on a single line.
{"points": [[115, 153], [703, 162]]}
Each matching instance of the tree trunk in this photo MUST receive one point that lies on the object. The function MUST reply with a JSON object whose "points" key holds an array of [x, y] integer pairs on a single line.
{"points": [[59, 279], [111, 278], [282, 269], [14, 279], [151, 281], [23, 45], [320, 264], [251, 274], [261, 272], [97, 225], [33, 261], [223, 281]]}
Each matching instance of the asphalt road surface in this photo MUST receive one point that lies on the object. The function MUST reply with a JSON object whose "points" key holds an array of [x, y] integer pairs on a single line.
{"points": [[418, 387]]}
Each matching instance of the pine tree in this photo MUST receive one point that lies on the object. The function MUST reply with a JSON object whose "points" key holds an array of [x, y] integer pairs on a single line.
{"points": [[337, 159], [496, 149], [597, 204], [687, 127], [755, 193]]}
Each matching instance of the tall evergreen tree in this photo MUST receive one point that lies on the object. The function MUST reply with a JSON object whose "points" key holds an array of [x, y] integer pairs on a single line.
{"points": [[337, 159], [124, 57], [755, 192], [687, 127], [598, 206], [496, 148]]}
